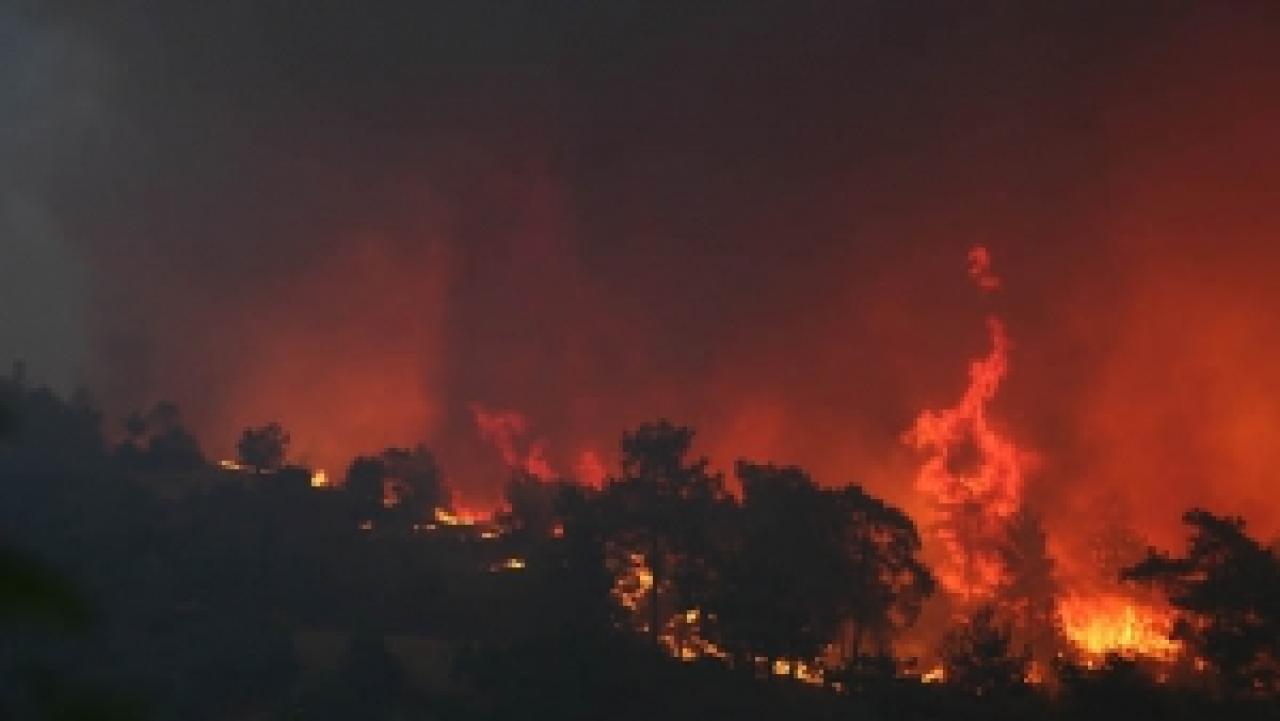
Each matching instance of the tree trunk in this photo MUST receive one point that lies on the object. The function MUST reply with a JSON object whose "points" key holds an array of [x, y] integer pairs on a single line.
{"points": [[654, 615]]}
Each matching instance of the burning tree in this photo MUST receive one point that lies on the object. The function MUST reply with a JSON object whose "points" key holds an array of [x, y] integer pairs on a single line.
{"points": [[662, 508]]}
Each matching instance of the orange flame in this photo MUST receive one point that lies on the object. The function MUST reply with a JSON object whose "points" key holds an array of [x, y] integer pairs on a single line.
{"points": [[1111, 624], [972, 473]]}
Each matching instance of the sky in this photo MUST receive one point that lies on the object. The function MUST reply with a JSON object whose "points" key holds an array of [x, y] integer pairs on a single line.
{"points": [[365, 222]]}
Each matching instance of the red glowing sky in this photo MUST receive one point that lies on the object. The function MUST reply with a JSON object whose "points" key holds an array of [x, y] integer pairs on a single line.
{"points": [[364, 227]]}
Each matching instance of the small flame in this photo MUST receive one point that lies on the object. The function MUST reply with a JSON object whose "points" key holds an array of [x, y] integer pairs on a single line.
{"points": [[319, 479], [937, 674], [508, 564], [460, 517]]}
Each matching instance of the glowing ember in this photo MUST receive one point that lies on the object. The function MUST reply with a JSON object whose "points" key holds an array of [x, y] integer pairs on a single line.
{"points": [[682, 636], [633, 584], [804, 671], [460, 517], [972, 473], [1109, 624], [508, 564]]}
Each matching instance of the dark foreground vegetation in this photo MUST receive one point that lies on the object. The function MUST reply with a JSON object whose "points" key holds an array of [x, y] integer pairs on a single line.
{"points": [[139, 580]]}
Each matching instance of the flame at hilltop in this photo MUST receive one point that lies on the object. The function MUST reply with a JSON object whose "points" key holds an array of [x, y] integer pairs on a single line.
{"points": [[508, 432], [973, 474]]}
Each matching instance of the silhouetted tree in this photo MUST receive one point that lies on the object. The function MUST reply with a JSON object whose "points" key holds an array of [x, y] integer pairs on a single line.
{"points": [[1227, 586], [885, 582], [781, 581], [159, 441], [263, 448], [48, 434], [1027, 594], [399, 486], [660, 507], [533, 507], [978, 655], [364, 486], [417, 483]]}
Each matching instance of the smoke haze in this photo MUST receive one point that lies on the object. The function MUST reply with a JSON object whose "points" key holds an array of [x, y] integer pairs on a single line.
{"points": [[747, 219]]}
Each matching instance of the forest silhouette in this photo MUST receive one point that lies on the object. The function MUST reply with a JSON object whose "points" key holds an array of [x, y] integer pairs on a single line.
{"points": [[140, 579]]}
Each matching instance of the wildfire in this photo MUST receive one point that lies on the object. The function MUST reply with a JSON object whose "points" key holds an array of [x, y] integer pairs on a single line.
{"points": [[682, 634], [508, 431], [319, 479], [973, 473], [1110, 624]]}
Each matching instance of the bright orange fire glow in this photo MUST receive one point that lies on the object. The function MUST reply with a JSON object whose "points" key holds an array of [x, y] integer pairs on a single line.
{"points": [[459, 517], [1111, 624], [973, 474], [633, 584]]}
